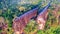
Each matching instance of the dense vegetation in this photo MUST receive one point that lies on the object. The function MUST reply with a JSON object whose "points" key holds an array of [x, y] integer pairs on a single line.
{"points": [[10, 9]]}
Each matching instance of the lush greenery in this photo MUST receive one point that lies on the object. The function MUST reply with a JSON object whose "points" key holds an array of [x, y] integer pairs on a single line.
{"points": [[10, 9]]}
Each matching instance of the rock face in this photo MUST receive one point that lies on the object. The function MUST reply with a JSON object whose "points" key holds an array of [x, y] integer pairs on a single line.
{"points": [[19, 23], [3, 25], [41, 19], [1, 21]]}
